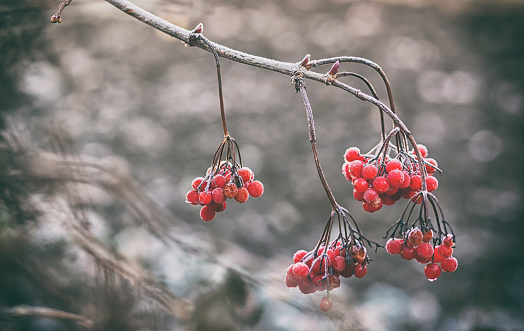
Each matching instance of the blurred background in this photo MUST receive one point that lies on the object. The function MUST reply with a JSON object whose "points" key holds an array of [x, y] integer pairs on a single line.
{"points": [[106, 121]]}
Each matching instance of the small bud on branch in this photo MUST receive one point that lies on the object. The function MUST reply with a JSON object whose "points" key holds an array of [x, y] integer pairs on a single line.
{"points": [[199, 28], [334, 68]]}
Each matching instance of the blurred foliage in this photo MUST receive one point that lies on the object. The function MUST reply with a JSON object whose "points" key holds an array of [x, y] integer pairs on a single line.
{"points": [[141, 118]]}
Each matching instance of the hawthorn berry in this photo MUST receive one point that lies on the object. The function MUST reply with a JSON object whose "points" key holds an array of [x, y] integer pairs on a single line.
{"points": [[395, 177], [448, 240], [432, 271], [218, 195], [230, 190], [205, 197], [207, 214], [369, 171], [393, 164], [444, 250], [300, 270], [431, 183], [360, 271], [423, 150], [427, 235], [360, 185], [325, 304], [370, 195], [425, 250], [415, 237], [297, 257], [255, 189], [246, 174], [407, 252], [242, 195], [415, 182], [394, 245], [352, 153], [449, 264], [192, 197], [355, 168], [381, 184]]}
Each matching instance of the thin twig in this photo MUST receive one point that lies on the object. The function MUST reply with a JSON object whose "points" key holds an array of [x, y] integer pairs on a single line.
{"points": [[23, 311]]}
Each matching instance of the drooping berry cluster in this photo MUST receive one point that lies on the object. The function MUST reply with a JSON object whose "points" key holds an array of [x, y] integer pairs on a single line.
{"points": [[424, 235], [223, 180], [416, 245], [320, 269], [381, 180]]}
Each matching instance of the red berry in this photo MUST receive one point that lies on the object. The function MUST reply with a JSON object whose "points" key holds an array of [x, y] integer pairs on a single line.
{"points": [[381, 184], [407, 252], [422, 260], [205, 197], [432, 271], [300, 270], [415, 182], [352, 153], [393, 165], [292, 282], [297, 257], [374, 205], [387, 200], [360, 184], [395, 177], [436, 256], [423, 150], [359, 196], [394, 245], [431, 183], [369, 171], [448, 240], [415, 237], [192, 197], [220, 181], [427, 235], [246, 174], [222, 207], [407, 180], [230, 190], [355, 168], [319, 283], [445, 251], [358, 253], [425, 250], [196, 182], [429, 168], [242, 195], [392, 190], [345, 171], [348, 272], [218, 195], [339, 263], [449, 264], [325, 304], [306, 287], [207, 214], [255, 189], [370, 195], [360, 271]]}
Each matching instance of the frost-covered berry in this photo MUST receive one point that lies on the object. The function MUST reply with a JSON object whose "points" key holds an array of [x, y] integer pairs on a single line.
{"points": [[255, 189]]}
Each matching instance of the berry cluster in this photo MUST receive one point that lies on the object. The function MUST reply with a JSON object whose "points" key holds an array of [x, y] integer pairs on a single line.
{"points": [[382, 180], [320, 269], [218, 185], [416, 245]]}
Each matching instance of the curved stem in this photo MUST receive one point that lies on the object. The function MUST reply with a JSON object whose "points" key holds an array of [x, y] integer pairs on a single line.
{"points": [[313, 140]]}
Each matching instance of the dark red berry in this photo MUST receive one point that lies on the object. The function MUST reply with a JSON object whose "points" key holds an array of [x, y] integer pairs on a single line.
{"points": [[207, 214], [230, 190], [394, 245], [360, 271], [432, 271], [449, 264]]}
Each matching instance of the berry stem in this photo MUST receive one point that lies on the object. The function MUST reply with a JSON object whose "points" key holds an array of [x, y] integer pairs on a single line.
{"points": [[373, 92], [219, 76], [300, 86]]}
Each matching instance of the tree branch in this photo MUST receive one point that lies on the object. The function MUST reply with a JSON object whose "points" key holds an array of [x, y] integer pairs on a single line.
{"points": [[23, 311]]}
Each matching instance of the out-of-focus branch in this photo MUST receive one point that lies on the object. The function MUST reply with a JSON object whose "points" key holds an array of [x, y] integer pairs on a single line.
{"points": [[23, 311], [57, 17]]}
